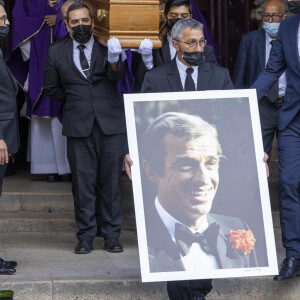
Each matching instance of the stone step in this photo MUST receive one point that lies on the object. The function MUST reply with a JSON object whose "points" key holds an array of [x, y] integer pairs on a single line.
{"points": [[27, 221], [21, 194], [49, 270]]}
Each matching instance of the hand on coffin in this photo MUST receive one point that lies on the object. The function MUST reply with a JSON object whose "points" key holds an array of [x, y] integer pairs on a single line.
{"points": [[145, 50], [114, 50]]}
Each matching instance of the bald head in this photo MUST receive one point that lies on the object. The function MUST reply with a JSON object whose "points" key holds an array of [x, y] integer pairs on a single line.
{"points": [[64, 8], [274, 7]]}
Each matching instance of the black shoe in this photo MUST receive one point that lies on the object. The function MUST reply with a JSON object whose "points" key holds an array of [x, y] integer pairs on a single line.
{"points": [[113, 245], [7, 264], [289, 268], [4, 271], [84, 247], [54, 178]]}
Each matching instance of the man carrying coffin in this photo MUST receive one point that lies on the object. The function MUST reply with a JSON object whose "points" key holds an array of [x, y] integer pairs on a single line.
{"points": [[82, 74]]}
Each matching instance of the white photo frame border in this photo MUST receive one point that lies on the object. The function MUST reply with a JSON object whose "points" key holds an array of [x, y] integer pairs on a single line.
{"points": [[147, 276]]}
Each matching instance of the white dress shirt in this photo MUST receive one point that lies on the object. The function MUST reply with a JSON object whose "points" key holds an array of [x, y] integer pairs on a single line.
{"points": [[282, 78], [182, 72], [87, 51], [196, 258]]}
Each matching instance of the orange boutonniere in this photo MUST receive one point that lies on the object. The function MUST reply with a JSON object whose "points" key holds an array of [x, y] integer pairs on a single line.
{"points": [[243, 240]]}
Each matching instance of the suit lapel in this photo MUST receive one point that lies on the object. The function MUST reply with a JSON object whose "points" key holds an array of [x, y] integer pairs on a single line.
{"points": [[69, 51], [203, 76], [95, 54], [165, 51], [174, 77], [227, 257], [261, 48]]}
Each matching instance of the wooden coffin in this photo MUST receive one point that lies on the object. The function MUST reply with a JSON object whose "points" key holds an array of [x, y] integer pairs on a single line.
{"points": [[129, 20]]}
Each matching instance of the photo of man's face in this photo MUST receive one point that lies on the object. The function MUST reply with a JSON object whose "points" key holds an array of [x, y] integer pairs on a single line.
{"points": [[191, 177]]}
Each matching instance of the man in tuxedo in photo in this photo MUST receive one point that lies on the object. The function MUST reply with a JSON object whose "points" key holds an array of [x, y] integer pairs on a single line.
{"points": [[181, 155]]}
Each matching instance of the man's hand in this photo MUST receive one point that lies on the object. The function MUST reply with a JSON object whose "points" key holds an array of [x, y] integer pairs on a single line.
{"points": [[50, 20], [128, 163], [114, 50], [266, 157], [145, 50], [3, 153]]}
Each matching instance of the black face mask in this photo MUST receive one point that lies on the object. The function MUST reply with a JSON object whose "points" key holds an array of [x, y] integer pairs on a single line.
{"points": [[193, 58], [4, 30], [82, 33], [172, 22], [294, 7]]}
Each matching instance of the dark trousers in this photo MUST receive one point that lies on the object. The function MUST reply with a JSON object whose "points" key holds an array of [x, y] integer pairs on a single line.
{"points": [[96, 166], [288, 148], [2, 172], [188, 289], [269, 115]]}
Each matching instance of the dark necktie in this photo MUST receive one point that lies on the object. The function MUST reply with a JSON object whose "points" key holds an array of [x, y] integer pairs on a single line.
{"points": [[273, 93], [83, 62], [189, 82], [207, 240]]}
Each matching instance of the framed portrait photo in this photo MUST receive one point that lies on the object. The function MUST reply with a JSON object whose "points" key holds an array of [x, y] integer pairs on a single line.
{"points": [[200, 185]]}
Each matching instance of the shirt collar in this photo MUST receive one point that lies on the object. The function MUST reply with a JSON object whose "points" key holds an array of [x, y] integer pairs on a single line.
{"points": [[182, 67], [170, 221], [89, 45]]}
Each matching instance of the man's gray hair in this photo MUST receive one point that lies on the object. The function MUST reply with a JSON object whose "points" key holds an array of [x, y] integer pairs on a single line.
{"points": [[180, 124], [182, 24]]}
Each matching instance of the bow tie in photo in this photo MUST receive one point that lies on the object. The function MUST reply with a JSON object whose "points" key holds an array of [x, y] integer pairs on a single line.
{"points": [[207, 240]]}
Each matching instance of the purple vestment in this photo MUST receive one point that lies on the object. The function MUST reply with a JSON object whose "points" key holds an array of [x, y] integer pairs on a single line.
{"points": [[28, 23]]}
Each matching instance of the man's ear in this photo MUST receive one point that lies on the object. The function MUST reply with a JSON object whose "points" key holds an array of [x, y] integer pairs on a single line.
{"points": [[150, 171], [68, 27], [93, 24], [175, 45]]}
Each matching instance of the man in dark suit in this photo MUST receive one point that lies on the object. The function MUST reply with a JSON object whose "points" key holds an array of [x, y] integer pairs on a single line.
{"points": [[174, 11], [78, 74], [253, 55], [9, 132], [181, 155], [285, 56], [188, 71]]}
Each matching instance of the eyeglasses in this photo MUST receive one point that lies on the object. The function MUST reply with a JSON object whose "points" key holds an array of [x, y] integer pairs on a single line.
{"points": [[275, 17], [194, 44], [4, 20]]}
